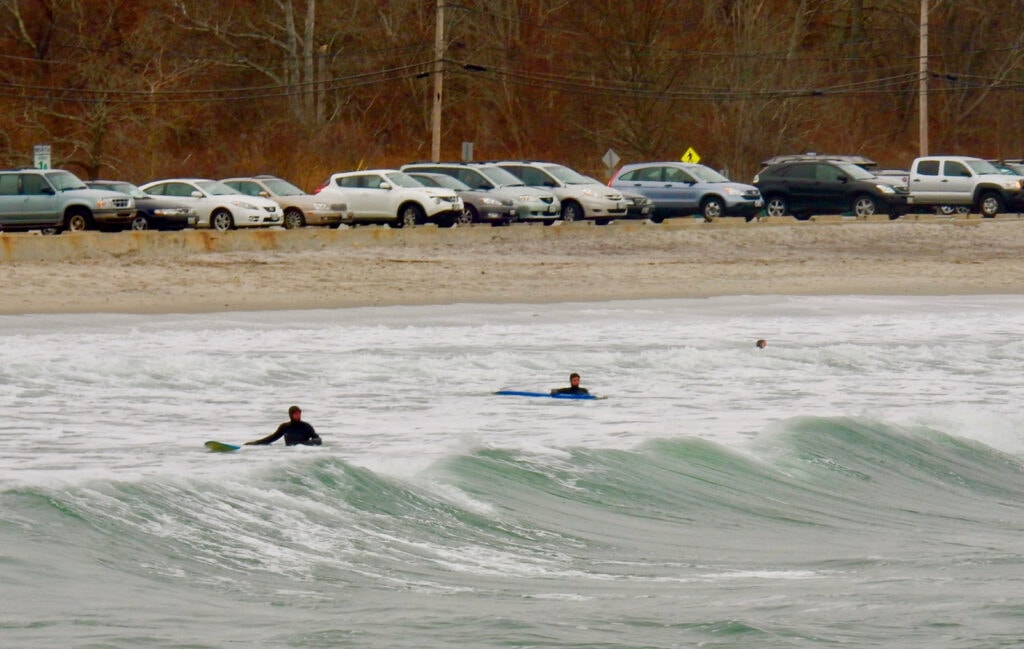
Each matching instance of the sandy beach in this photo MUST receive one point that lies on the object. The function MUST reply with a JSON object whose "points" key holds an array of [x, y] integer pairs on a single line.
{"points": [[315, 268]]}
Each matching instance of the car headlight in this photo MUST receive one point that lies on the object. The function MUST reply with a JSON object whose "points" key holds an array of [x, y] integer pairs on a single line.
{"points": [[731, 191], [526, 198], [885, 189], [321, 206], [487, 200], [105, 203], [171, 211], [244, 205], [1012, 184]]}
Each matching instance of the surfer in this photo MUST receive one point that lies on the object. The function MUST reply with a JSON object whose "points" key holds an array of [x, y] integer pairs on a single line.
{"points": [[295, 432], [574, 386]]}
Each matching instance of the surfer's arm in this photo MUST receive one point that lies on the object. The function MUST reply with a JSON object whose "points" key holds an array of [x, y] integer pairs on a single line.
{"points": [[269, 439]]}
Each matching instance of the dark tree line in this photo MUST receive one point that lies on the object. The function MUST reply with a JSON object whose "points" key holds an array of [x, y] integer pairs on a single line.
{"points": [[153, 88]]}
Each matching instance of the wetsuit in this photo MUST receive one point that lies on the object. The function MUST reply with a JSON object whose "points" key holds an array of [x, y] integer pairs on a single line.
{"points": [[570, 390], [294, 433]]}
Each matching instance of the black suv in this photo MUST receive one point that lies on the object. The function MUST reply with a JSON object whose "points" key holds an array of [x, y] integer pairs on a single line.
{"points": [[805, 187]]}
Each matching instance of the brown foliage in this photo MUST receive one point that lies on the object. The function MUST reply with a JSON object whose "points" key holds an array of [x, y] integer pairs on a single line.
{"points": [[157, 88]]}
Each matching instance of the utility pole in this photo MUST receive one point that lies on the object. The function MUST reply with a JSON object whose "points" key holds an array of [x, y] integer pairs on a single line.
{"points": [[922, 87], [435, 121]]}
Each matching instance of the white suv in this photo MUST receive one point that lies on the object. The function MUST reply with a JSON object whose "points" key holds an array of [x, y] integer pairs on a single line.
{"points": [[392, 197]]}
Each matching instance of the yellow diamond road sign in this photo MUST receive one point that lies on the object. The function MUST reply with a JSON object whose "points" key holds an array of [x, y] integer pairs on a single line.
{"points": [[690, 156]]}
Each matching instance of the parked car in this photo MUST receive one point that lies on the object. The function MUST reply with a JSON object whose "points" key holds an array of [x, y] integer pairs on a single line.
{"points": [[937, 181], [392, 197], [217, 205], [638, 206], [300, 209], [684, 189], [151, 213], [480, 206], [580, 196], [805, 187], [531, 204], [894, 177], [55, 200]]}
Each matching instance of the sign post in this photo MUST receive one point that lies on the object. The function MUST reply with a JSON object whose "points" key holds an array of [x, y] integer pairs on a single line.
{"points": [[41, 156]]}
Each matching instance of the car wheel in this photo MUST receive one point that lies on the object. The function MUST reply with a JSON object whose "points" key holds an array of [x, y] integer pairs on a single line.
{"points": [[140, 223], [465, 217], [990, 204], [78, 220], [410, 215], [572, 211], [293, 218], [602, 221], [712, 208], [863, 206], [222, 221], [776, 206], [950, 210]]}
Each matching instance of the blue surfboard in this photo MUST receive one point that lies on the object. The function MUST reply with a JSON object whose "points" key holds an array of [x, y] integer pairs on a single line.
{"points": [[521, 393], [221, 447]]}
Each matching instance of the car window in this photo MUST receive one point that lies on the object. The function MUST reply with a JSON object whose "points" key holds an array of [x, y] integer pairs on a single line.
{"points": [[372, 181], [401, 179], [647, 174], [282, 187], [707, 174], [351, 182], [677, 175], [246, 187], [827, 173], [955, 169], [801, 171], [33, 184], [425, 180], [567, 175], [532, 176], [928, 167], [62, 180], [8, 184], [474, 179], [183, 190]]}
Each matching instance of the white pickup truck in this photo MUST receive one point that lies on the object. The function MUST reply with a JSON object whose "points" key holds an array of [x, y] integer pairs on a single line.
{"points": [[960, 181]]}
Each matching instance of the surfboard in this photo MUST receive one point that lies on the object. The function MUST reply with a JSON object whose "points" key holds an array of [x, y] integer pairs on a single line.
{"points": [[521, 393], [221, 447]]}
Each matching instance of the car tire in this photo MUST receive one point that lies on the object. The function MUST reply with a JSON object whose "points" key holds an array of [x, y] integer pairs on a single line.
{"points": [[990, 204], [222, 221], [950, 210], [864, 206], [410, 215], [465, 217], [712, 208], [293, 218], [776, 206], [572, 211], [78, 220], [139, 222]]}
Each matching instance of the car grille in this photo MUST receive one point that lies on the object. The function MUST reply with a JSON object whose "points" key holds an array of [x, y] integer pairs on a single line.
{"points": [[752, 194], [339, 207], [122, 202]]}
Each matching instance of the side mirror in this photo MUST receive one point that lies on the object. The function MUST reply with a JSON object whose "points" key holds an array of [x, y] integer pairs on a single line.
{"points": [[265, 194], [384, 186], [196, 194]]}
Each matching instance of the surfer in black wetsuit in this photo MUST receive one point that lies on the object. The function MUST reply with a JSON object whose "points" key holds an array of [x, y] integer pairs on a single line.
{"points": [[294, 431], [574, 386]]}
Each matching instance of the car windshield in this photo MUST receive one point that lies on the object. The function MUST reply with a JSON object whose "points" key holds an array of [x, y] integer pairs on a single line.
{"points": [[443, 180], [63, 180], [402, 179], [216, 188], [982, 166], [280, 187], [855, 172], [500, 177], [124, 188], [706, 174], [567, 175]]}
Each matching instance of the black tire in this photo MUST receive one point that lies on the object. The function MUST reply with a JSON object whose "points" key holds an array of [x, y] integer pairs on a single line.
{"points": [[776, 206], [712, 208], [410, 214], [78, 220], [990, 204], [572, 211], [602, 221], [863, 206], [656, 219], [222, 221], [474, 216], [139, 222], [293, 218], [465, 217]]}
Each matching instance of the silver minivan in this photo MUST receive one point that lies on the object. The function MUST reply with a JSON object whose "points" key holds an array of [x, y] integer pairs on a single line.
{"points": [[581, 197], [531, 204]]}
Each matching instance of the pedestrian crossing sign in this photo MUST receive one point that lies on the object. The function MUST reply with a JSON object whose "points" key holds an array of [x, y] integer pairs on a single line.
{"points": [[690, 156]]}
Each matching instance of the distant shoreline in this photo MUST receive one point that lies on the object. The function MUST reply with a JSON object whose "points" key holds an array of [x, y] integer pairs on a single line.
{"points": [[190, 272]]}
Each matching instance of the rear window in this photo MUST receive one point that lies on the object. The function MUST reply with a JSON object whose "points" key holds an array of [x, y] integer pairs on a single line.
{"points": [[8, 184]]}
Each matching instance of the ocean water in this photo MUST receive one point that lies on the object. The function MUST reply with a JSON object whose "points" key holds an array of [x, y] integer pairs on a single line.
{"points": [[858, 483]]}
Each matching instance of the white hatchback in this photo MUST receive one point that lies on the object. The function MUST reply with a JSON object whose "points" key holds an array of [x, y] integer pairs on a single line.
{"points": [[217, 205], [391, 196]]}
